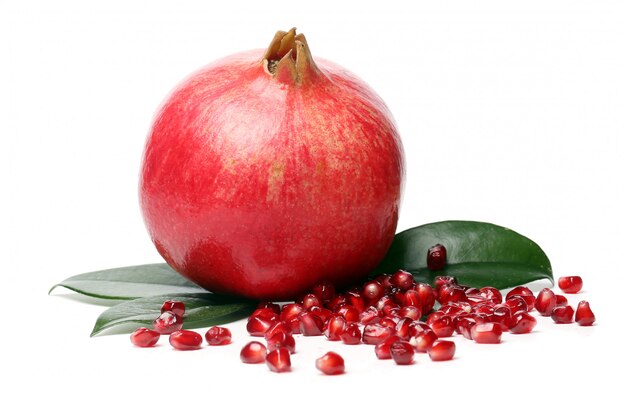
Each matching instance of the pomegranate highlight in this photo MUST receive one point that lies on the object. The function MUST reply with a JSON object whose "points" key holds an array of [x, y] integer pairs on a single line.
{"points": [[266, 173]]}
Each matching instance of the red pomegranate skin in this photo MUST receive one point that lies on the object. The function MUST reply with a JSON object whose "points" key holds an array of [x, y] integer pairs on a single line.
{"points": [[262, 185]]}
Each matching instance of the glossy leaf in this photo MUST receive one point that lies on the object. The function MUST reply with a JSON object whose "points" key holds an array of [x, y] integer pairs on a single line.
{"points": [[201, 310], [130, 282], [479, 254]]}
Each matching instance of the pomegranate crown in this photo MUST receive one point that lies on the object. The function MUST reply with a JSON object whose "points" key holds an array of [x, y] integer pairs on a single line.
{"points": [[288, 58]]}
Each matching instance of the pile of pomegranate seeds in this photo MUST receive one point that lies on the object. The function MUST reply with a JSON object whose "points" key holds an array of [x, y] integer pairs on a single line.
{"points": [[393, 313]]}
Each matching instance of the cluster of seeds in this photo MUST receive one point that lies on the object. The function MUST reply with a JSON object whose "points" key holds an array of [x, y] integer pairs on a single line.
{"points": [[170, 322], [393, 313]]}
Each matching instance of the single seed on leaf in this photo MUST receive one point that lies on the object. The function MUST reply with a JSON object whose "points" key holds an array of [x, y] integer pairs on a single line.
{"points": [[253, 353], [436, 257], [144, 337], [174, 306], [570, 284], [330, 363]]}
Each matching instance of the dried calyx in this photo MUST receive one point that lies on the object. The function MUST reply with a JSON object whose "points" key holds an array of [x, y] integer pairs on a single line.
{"points": [[288, 58]]}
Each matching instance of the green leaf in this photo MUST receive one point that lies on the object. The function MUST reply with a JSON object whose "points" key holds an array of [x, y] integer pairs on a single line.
{"points": [[201, 310], [130, 282], [479, 254]]}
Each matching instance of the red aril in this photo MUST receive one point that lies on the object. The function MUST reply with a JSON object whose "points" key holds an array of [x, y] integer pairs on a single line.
{"points": [[185, 340], [487, 333], [334, 327], [436, 257], [444, 280], [310, 300], [311, 324], [545, 302], [411, 312], [561, 300], [584, 315], [324, 291], [370, 315], [260, 160], [517, 304], [167, 323], [523, 322], [525, 294], [174, 306], [289, 314], [402, 352], [258, 325], [351, 335], [281, 339], [330, 363], [278, 360], [563, 314], [144, 337], [570, 284], [491, 294], [443, 327], [423, 341], [279, 326], [253, 353], [402, 280], [375, 333], [383, 350], [218, 336], [350, 313], [442, 350], [427, 296]]}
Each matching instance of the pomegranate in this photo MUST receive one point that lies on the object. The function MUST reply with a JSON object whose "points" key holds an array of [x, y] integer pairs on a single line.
{"points": [[266, 173]]}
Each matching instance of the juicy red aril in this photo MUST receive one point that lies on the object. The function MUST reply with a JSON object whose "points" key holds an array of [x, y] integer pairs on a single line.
{"points": [[185, 340], [436, 257], [355, 300], [218, 336], [350, 313], [330, 364], [174, 306], [281, 339], [444, 280], [563, 314], [434, 316], [144, 337], [523, 323], [167, 323], [321, 312], [402, 352], [311, 324], [351, 335], [383, 350], [443, 327], [404, 328], [411, 312], [451, 293], [289, 314], [427, 296], [376, 334], [265, 313], [525, 293], [492, 294], [442, 350], [463, 326], [389, 322], [279, 326], [545, 302], [487, 333], [402, 280], [258, 325], [503, 316], [310, 300], [278, 360], [561, 300], [253, 353], [517, 304], [584, 315], [370, 315], [412, 298], [372, 291], [325, 291], [334, 327], [423, 341], [570, 284]]}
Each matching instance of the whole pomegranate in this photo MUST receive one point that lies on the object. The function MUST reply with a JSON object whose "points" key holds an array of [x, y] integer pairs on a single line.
{"points": [[265, 173]]}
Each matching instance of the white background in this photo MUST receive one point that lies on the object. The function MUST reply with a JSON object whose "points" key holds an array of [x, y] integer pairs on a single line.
{"points": [[510, 112]]}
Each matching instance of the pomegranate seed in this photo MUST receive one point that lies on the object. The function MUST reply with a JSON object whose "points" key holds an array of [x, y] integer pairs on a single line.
{"points": [[451, 293], [370, 315], [334, 327], [442, 350], [311, 324], [385, 302], [258, 325], [253, 353], [351, 335], [384, 281], [584, 315], [417, 327], [517, 304], [491, 294], [487, 333], [411, 298], [402, 352], [463, 326], [335, 303], [563, 314], [289, 314], [525, 293], [174, 306], [444, 280], [350, 313], [279, 326], [278, 360], [570, 284], [523, 323], [185, 340], [545, 302], [265, 314], [411, 312], [503, 316], [402, 280], [218, 336], [274, 307], [404, 328], [376, 334], [330, 364], [423, 341], [561, 300], [383, 350], [436, 257], [324, 291], [281, 339], [372, 291], [321, 312], [310, 300], [144, 337], [167, 323], [427, 296], [443, 327], [355, 300], [434, 316], [389, 322]]}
